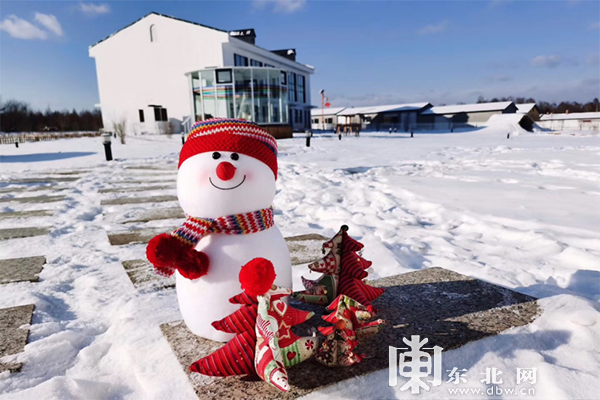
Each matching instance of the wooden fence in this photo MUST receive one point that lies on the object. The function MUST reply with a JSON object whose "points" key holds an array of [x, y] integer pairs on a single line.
{"points": [[11, 138]]}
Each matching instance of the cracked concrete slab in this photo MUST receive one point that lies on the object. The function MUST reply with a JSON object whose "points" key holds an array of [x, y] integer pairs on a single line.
{"points": [[14, 332], [26, 214], [136, 236], [24, 269], [448, 308], [136, 200], [15, 233]]}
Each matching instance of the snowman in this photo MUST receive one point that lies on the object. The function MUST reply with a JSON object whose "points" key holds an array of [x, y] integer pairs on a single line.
{"points": [[225, 186]]}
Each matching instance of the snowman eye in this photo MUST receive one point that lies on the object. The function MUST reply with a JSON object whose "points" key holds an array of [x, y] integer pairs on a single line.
{"points": [[235, 156], [216, 155]]}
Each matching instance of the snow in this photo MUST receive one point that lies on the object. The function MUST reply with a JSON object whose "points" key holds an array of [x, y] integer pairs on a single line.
{"points": [[525, 108], [379, 109], [467, 108], [523, 213], [555, 117]]}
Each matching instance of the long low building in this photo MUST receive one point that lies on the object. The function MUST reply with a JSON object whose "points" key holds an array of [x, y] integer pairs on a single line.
{"points": [[463, 115], [589, 121], [325, 119], [402, 117]]}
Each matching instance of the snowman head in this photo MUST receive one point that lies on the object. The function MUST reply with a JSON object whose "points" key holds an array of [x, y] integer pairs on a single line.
{"points": [[226, 167]]}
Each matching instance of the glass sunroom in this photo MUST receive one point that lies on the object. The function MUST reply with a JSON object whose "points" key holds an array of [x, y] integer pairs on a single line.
{"points": [[257, 94]]}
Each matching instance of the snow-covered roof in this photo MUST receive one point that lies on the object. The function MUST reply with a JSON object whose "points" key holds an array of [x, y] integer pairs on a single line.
{"points": [[468, 108], [525, 108], [586, 115], [380, 109], [327, 111]]}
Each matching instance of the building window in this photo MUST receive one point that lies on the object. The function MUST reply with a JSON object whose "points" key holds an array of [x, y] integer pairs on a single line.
{"points": [[269, 65], [301, 91], [300, 117], [283, 78], [254, 63], [292, 87], [152, 33], [329, 120], [240, 61], [160, 114], [141, 115], [224, 76]]}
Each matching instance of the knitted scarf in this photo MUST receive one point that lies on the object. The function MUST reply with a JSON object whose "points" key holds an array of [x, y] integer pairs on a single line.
{"points": [[194, 229]]}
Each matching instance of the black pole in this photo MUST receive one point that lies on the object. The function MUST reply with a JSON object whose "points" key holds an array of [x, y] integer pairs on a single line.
{"points": [[182, 139], [17, 145], [412, 134], [508, 136], [108, 151]]}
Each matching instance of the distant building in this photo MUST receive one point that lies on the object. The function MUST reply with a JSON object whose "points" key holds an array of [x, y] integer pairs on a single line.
{"points": [[325, 119], [160, 74], [463, 115], [529, 109], [403, 117], [589, 121]]}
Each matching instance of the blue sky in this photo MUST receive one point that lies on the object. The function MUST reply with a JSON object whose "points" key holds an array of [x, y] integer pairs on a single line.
{"points": [[365, 52]]}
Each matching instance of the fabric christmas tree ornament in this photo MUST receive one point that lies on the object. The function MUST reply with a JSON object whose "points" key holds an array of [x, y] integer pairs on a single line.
{"points": [[264, 339], [350, 321], [175, 251], [343, 273]]}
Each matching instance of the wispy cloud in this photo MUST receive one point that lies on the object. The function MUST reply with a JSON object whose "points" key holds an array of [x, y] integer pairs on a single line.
{"points": [[498, 78], [595, 25], [282, 6], [550, 61], [434, 28], [50, 22], [92, 10], [22, 29]]}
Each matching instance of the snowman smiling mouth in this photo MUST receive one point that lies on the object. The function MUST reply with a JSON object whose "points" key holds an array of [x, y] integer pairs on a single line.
{"points": [[236, 186], [226, 171]]}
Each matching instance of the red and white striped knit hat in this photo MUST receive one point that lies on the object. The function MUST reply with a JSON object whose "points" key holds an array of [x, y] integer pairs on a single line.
{"points": [[235, 135]]}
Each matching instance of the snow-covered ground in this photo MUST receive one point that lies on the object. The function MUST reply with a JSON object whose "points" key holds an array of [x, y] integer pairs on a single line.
{"points": [[523, 213]]}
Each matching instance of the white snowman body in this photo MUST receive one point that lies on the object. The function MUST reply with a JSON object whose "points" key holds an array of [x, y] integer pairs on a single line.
{"points": [[203, 192]]}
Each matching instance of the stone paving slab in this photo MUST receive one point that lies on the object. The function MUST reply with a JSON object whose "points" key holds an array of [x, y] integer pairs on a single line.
{"points": [[448, 308], [142, 276], [136, 236], [26, 214], [138, 182], [44, 179], [13, 338], [18, 189], [170, 168], [136, 200], [136, 189], [34, 199], [164, 213], [21, 269], [15, 233], [305, 248]]}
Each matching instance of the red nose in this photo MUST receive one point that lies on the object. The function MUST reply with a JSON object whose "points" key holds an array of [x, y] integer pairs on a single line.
{"points": [[225, 171]]}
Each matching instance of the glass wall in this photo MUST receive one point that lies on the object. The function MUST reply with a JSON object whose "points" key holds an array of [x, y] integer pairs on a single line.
{"points": [[255, 94]]}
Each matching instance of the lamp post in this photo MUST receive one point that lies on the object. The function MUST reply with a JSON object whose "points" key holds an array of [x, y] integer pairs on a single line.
{"points": [[106, 143], [323, 109]]}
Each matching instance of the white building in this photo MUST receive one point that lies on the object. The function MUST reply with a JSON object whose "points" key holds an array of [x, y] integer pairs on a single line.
{"points": [[588, 121], [325, 119], [402, 117], [161, 74], [463, 115]]}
